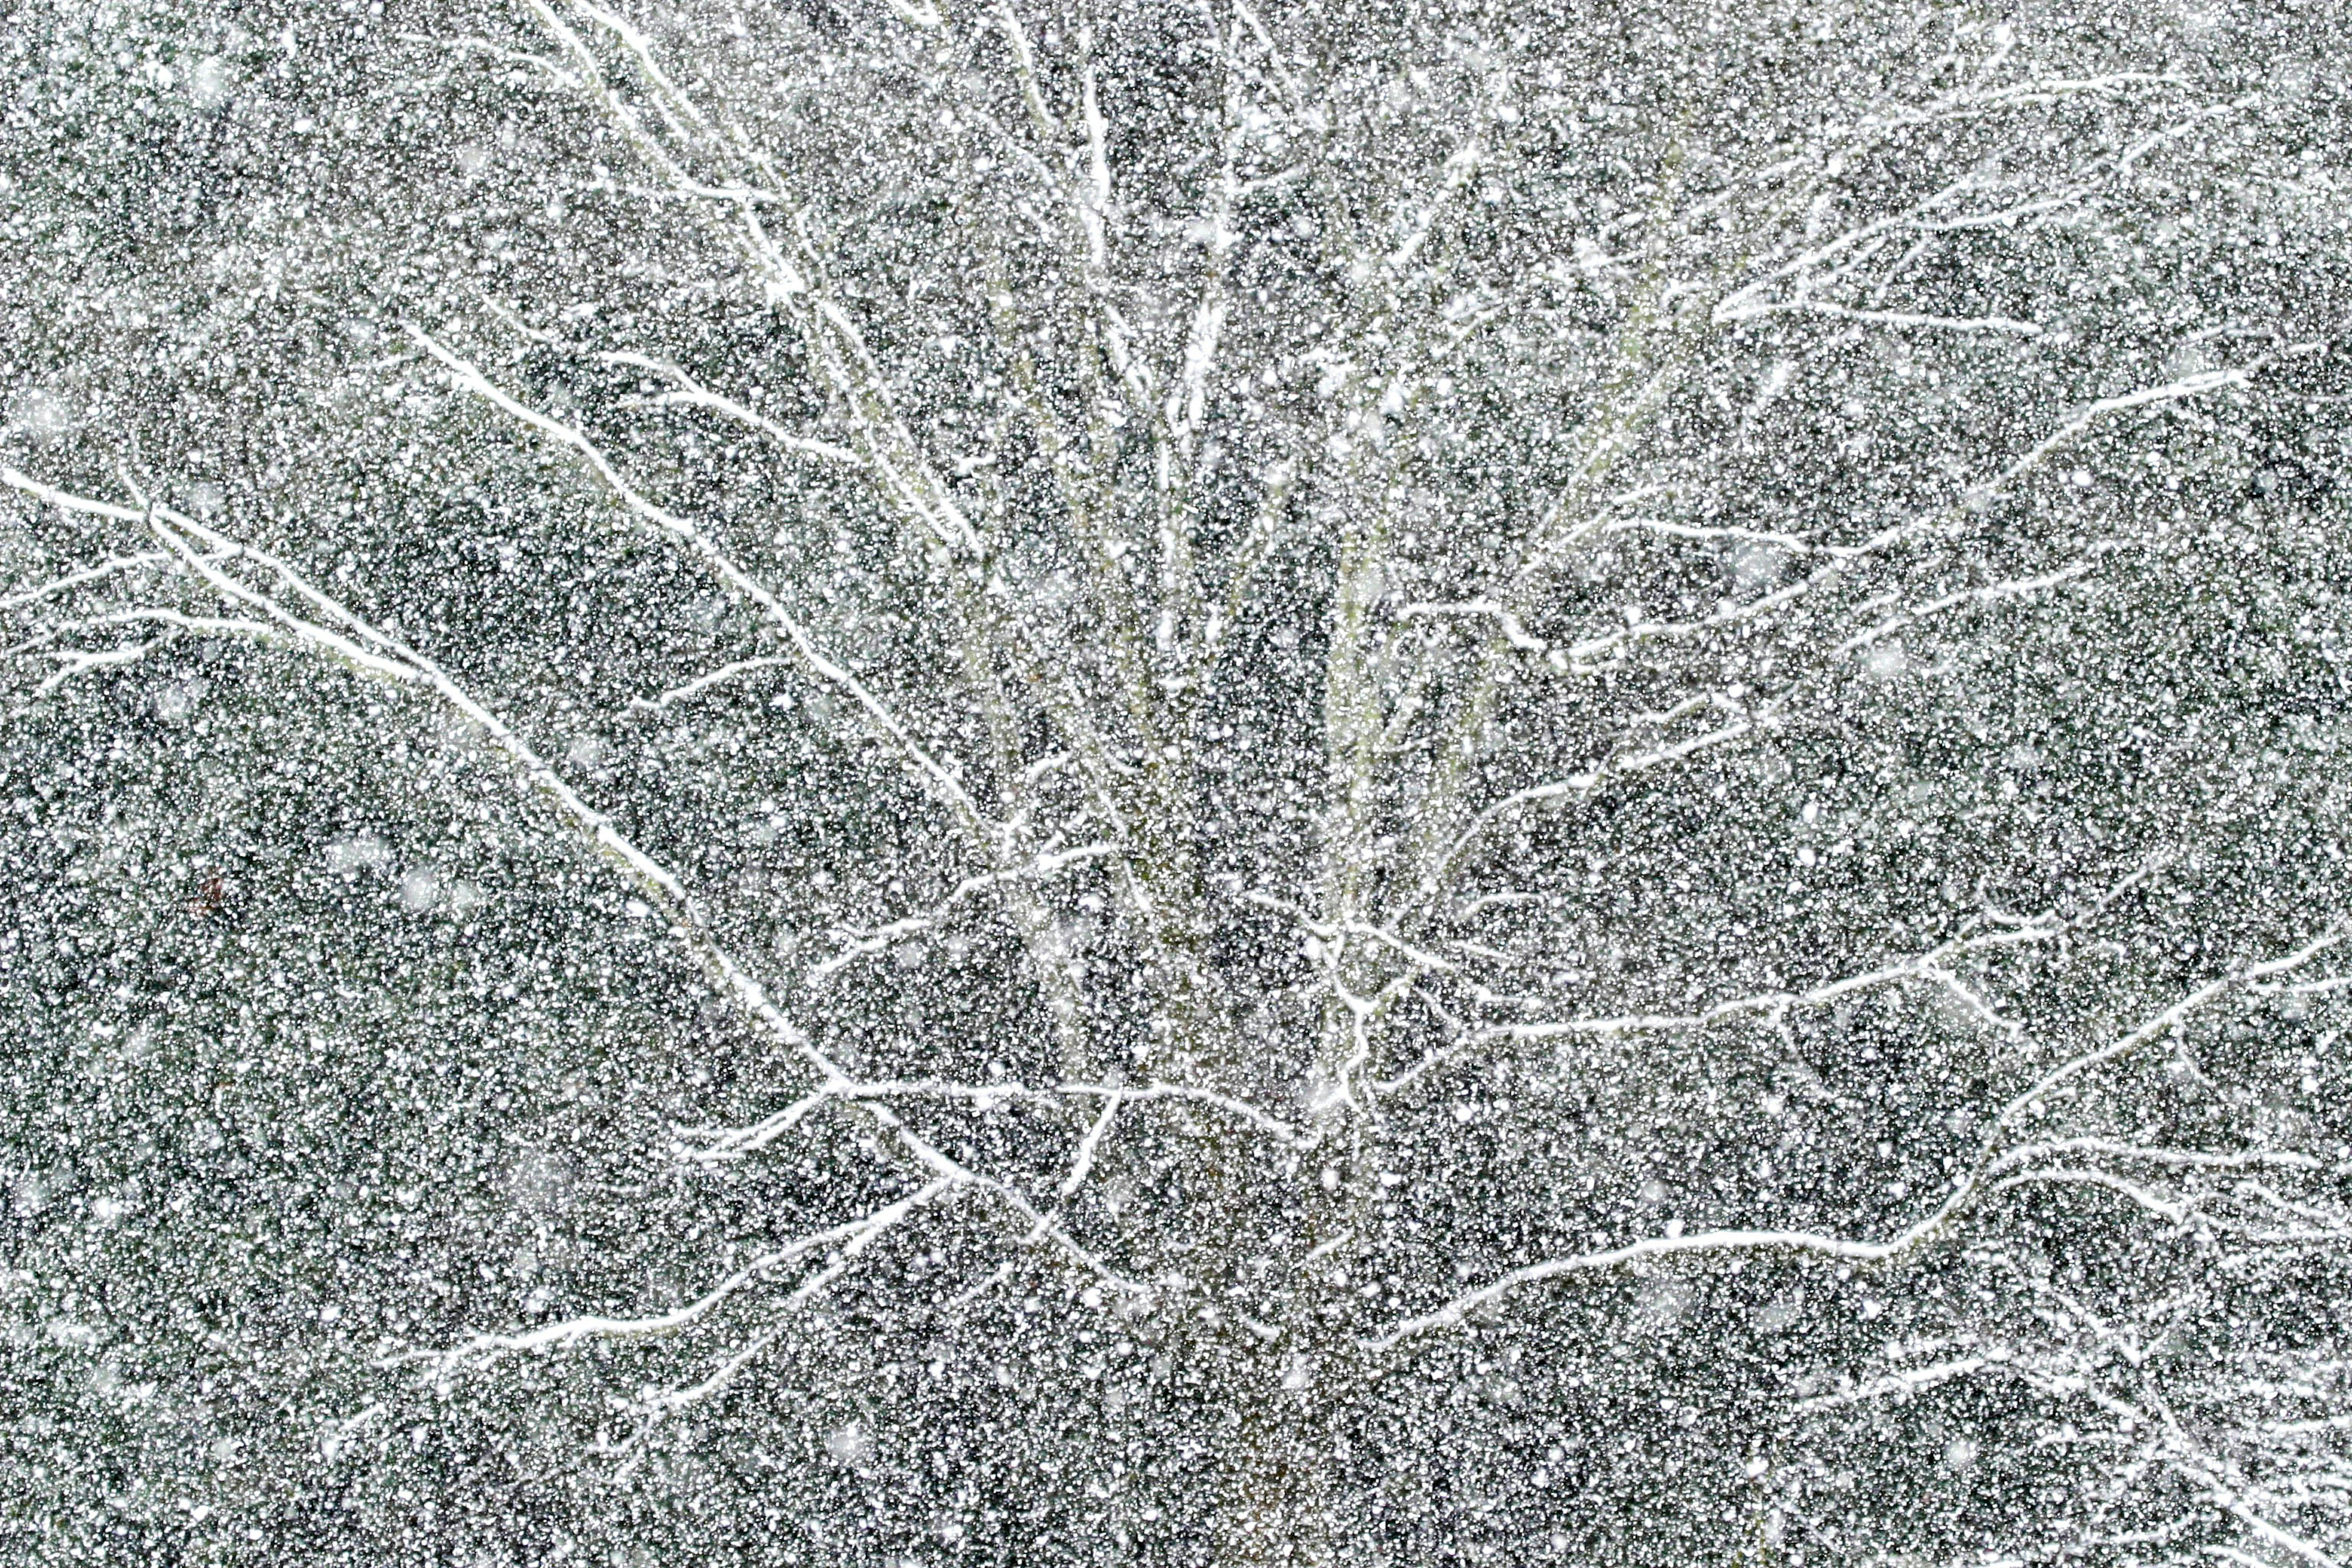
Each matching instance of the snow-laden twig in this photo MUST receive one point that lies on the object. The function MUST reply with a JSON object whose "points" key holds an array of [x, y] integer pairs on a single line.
{"points": [[1920, 320], [729, 1143], [480, 1350], [705, 682], [1776, 1006], [940, 780], [1992, 593], [864, 941], [1459, 1309], [1588, 654], [2165, 1022], [1901, 1384], [83, 577], [1989, 1173], [372, 649], [689, 393], [1627, 758]]}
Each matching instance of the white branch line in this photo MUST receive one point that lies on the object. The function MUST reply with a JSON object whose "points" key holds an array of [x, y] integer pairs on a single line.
{"points": [[1454, 1311], [1903, 1383], [2195, 1159], [483, 1348], [683, 914], [868, 1231], [71, 579], [281, 626], [2228, 1490], [1082, 1162], [1581, 655], [940, 779], [1965, 1191], [736, 1143], [1616, 765], [1335, 933], [1888, 318], [1778, 1003], [692, 394], [702, 683], [2165, 1022], [82, 662], [862, 942], [2182, 1212], [1992, 593], [404, 663], [1911, 220], [1930, 965], [2175, 1447]]}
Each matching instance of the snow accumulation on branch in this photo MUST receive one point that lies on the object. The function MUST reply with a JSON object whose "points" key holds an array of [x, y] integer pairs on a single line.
{"points": [[1992, 1173]]}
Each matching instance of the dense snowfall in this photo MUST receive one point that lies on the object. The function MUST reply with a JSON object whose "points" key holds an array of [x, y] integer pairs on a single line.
{"points": [[909, 782]]}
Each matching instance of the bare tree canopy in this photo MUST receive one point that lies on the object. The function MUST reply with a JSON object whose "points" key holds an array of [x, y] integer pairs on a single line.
{"points": [[1175, 783]]}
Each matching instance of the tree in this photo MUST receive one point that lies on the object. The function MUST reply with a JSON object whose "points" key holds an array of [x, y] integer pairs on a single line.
{"points": [[1460, 786]]}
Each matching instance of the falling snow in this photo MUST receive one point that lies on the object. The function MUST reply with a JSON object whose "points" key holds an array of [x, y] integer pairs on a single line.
{"points": [[889, 781]]}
